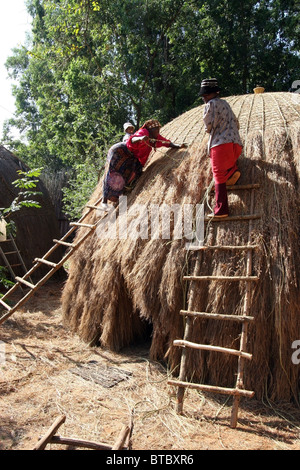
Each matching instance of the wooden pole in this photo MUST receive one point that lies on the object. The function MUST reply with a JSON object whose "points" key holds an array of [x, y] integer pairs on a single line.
{"points": [[221, 278], [70, 441], [19, 255], [50, 433], [217, 316], [209, 347], [246, 310], [233, 217], [213, 388], [236, 187], [223, 247], [187, 333], [118, 445]]}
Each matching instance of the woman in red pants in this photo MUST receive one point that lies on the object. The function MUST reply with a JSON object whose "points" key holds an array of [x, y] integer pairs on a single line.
{"points": [[224, 145]]}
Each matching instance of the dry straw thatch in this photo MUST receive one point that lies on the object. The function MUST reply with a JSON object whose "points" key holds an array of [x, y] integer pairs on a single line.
{"points": [[36, 228], [116, 287]]}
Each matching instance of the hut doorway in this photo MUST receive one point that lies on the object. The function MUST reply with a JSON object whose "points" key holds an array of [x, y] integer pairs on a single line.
{"points": [[146, 337]]}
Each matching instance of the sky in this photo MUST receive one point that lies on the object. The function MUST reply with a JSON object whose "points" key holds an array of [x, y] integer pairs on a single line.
{"points": [[15, 21]]}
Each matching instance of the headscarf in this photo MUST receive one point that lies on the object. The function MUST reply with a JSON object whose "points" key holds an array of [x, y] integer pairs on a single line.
{"points": [[151, 124]]}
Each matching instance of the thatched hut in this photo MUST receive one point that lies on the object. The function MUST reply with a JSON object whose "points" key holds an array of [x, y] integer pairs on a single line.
{"points": [[36, 228], [117, 288]]}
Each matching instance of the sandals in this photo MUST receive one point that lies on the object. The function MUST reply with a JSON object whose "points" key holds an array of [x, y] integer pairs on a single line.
{"points": [[233, 179]]}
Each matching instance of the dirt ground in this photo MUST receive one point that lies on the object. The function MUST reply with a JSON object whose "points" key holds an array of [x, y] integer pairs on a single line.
{"points": [[39, 381]]}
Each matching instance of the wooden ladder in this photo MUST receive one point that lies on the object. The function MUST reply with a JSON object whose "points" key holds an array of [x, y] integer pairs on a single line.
{"points": [[44, 261], [190, 315], [13, 250]]}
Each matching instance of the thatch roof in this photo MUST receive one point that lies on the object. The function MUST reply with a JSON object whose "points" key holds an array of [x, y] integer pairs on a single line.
{"points": [[36, 228], [117, 287]]}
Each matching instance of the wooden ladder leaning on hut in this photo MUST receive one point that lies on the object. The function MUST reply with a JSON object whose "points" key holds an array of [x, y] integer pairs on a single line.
{"points": [[53, 267], [238, 391]]}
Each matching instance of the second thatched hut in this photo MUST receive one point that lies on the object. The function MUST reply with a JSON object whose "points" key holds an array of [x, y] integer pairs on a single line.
{"points": [[35, 228]]}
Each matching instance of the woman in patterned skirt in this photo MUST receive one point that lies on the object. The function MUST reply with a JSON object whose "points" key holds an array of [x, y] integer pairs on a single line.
{"points": [[125, 161]]}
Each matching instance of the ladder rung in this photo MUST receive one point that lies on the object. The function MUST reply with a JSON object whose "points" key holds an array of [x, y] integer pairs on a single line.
{"points": [[217, 316], [45, 261], [77, 224], [220, 278], [224, 247], [212, 388], [23, 281], [233, 218], [11, 253], [209, 347], [241, 186], [62, 242], [15, 265], [92, 207], [5, 305]]}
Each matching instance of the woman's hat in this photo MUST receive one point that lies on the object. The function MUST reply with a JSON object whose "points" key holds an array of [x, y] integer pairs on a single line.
{"points": [[209, 85], [126, 125]]}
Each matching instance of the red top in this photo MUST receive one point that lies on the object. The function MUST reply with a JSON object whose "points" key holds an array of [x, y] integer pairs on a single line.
{"points": [[141, 149]]}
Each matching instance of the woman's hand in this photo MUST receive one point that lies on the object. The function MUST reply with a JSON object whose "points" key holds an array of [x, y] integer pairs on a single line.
{"points": [[177, 146], [140, 139]]}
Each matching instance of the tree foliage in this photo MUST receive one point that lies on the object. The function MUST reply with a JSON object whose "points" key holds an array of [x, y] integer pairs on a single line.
{"points": [[91, 65]]}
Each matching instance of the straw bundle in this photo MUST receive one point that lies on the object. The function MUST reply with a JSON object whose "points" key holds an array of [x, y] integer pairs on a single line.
{"points": [[118, 287]]}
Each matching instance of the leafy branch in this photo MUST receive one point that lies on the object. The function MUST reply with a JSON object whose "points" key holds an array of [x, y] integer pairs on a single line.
{"points": [[26, 183]]}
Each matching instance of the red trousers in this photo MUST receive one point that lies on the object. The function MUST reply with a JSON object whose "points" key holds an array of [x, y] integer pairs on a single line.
{"points": [[223, 162]]}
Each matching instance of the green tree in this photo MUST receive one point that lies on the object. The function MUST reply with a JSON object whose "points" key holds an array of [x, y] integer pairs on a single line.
{"points": [[91, 65]]}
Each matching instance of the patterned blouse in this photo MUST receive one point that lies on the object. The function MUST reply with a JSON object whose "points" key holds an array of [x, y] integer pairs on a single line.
{"points": [[221, 123]]}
